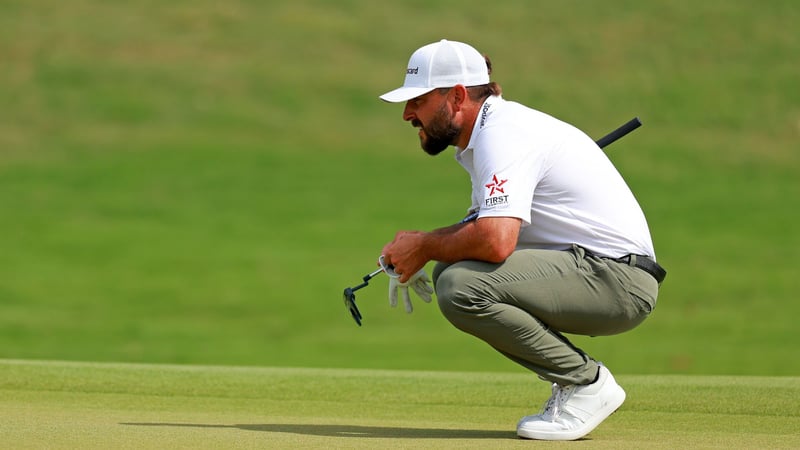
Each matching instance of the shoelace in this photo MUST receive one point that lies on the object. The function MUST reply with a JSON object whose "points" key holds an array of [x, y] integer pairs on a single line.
{"points": [[554, 405]]}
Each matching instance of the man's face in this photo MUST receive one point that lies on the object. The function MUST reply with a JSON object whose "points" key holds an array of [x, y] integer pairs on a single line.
{"points": [[430, 113]]}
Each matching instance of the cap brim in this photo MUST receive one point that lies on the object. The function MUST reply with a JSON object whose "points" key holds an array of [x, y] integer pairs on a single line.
{"points": [[404, 94]]}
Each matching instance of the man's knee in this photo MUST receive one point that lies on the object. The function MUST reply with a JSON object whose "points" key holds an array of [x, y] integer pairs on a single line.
{"points": [[457, 293], [437, 270]]}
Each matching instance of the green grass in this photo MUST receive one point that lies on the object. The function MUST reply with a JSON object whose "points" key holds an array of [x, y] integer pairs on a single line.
{"points": [[196, 182], [91, 405]]}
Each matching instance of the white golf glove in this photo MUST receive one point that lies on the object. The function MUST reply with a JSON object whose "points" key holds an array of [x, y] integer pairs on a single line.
{"points": [[419, 282]]}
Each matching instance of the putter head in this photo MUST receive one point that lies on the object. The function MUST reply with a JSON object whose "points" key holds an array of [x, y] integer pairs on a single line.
{"points": [[350, 303]]}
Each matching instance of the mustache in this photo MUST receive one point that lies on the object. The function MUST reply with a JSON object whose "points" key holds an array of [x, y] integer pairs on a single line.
{"points": [[416, 123]]}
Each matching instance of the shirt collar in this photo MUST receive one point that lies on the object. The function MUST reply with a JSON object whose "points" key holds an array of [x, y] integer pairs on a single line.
{"points": [[480, 121]]}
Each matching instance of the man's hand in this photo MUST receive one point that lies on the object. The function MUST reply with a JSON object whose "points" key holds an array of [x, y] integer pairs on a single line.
{"points": [[405, 254]]}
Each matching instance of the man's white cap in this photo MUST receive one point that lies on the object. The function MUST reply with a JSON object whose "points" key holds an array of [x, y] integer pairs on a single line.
{"points": [[440, 65]]}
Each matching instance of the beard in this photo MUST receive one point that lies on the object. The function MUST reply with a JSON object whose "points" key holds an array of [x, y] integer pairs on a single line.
{"points": [[439, 134]]}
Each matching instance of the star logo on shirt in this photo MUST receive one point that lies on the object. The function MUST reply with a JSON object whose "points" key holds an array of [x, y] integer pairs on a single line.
{"points": [[496, 186]]}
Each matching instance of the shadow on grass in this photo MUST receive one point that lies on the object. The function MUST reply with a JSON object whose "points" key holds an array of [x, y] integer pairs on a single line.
{"points": [[350, 430]]}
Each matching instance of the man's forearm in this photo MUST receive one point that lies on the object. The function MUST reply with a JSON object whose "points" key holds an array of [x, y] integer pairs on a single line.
{"points": [[449, 229], [490, 239]]}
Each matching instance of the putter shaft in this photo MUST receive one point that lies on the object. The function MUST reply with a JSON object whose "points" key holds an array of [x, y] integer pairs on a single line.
{"points": [[370, 275]]}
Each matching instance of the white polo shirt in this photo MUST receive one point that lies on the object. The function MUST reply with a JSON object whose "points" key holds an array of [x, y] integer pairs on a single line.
{"points": [[526, 164]]}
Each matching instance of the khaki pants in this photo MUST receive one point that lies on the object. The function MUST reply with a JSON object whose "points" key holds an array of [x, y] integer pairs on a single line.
{"points": [[522, 306]]}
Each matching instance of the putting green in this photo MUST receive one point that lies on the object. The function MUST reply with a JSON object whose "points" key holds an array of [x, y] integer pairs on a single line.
{"points": [[93, 405]]}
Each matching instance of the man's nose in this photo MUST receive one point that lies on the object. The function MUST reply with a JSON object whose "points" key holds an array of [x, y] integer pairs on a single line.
{"points": [[408, 112]]}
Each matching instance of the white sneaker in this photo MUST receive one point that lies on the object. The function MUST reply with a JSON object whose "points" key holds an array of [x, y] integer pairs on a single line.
{"points": [[574, 411]]}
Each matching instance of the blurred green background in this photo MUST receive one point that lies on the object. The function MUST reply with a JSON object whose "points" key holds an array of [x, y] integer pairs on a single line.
{"points": [[197, 181]]}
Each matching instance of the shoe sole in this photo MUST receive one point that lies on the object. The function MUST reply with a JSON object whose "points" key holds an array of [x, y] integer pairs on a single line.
{"points": [[570, 435]]}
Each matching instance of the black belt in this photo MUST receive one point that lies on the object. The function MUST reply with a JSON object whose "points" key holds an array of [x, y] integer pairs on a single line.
{"points": [[645, 263]]}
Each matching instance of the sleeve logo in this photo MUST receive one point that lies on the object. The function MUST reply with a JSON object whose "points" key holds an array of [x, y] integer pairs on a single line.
{"points": [[493, 200], [496, 186]]}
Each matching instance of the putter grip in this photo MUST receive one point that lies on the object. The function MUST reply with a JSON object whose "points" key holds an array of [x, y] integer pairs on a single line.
{"points": [[619, 132]]}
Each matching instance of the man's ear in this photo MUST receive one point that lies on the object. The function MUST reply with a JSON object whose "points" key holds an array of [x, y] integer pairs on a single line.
{"points": [[458, 96]]}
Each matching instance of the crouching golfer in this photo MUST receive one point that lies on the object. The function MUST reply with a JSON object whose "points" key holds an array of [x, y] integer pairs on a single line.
{"points": [[560, 244]]}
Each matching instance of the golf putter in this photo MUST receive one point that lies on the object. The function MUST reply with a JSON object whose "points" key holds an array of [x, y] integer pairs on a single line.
{"points": [[349, 293], [350, 296]]}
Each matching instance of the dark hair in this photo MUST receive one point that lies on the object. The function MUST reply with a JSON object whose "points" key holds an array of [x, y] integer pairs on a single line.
{"points": [[479, 93]]}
